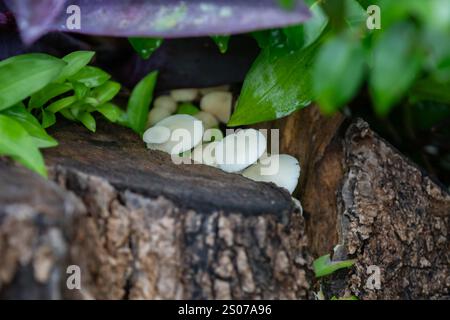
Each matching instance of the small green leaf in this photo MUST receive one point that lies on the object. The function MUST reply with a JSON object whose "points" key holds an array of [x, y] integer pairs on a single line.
{"points": [[67, 113], [50, 91], [61, 104], [48, 119], [278, 83], [323, 266], [80, 89], [139, 103], [187, 108], [87, 120], [221, 42], [23, 75], [90, 76], [17, 143], [110, 111], [31, 125], [396, 64], [338, 72], [145, 46], [75, 62], [105, 92]]}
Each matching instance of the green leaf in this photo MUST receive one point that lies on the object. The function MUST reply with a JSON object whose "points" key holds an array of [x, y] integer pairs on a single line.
{"points": [[48, 119], [23, 75], [187, 108], [50, 91], [75, 62], [110, 111], [221, 42], [67, 113], [338, 72], [139, 103], [295, 36], [61, 104], [278, 83], [17, 143], [323, 266], [316, 25], [90, 76], [270, 38], [106, 92], [87, 120], [145, 46], [431, 90], [80, 89], [40, 138], [396, 63]]}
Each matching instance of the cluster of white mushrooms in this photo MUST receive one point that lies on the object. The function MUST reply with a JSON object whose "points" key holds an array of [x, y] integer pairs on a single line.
{"points": [[178, 127]]}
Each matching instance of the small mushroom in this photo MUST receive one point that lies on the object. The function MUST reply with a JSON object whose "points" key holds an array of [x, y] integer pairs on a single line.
{"points": [[212, 134], [184, 95], [209, 121], [205, 91], [218, 104], [165, 102], [239, 150], [186, 132], [156, 115], [156, 134], [283, 170], [205, 154]]}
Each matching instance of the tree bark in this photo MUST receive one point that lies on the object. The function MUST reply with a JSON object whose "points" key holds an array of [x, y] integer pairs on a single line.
{"points": [[360, 193], [141, 227]]}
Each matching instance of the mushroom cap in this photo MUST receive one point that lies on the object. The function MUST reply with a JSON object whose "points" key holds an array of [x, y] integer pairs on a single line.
{"points": [[209, 121], [156, 134], [218, 103], [239, 150], [285, 175], [205, 154], [165, 102], [212, 134], [184, 95], [156, 115], [186, 132]]}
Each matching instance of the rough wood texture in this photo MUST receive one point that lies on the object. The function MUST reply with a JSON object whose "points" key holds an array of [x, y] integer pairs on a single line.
{"points": [[148, 229], [140, 227], [360, 192]]}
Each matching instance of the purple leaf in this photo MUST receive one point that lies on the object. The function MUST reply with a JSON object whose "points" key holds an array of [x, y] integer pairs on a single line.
{"points": [[35, 18], [156, 18]]}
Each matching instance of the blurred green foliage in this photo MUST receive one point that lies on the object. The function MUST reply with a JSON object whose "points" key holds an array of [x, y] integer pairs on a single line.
{"points": [[407, 58]]}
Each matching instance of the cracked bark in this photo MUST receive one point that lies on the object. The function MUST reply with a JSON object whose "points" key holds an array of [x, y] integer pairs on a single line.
{"points": [[141, 228], [361, 193]]}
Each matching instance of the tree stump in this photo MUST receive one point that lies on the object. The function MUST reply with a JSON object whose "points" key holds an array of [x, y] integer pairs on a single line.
{"points": [[140, 227], [360, 193]]}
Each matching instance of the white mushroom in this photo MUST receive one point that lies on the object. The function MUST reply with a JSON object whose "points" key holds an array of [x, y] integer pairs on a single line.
{"points": [[156, 134], [283, 170], [205, 91], [212, 134], [205, 154], [239, 150], [184, 95], [218, 104], [165, 102], [209, 121], [156, 115], [186, 132]]}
